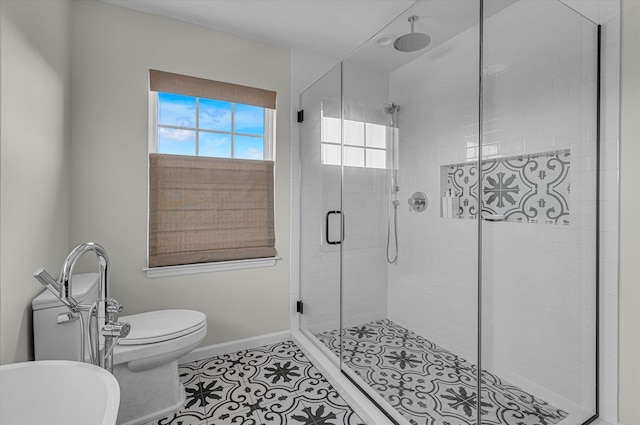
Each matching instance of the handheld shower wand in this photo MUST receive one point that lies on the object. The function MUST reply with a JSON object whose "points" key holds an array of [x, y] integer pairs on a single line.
{"points": [[391, 109]]}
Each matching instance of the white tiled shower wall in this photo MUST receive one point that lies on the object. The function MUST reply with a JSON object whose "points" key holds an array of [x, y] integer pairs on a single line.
{"points": [[432, 289]]}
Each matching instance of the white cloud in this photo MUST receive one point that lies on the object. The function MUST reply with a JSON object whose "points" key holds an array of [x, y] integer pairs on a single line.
{"points": [[253, 153], [175, 134], [214, 117]]}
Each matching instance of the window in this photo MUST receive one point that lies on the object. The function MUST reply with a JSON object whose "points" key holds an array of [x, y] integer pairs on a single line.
{"points": [[365, 144], [211, 176], [197, 126]]}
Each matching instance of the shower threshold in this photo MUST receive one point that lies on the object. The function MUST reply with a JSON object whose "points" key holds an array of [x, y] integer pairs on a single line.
{"points": [[428, 384]]}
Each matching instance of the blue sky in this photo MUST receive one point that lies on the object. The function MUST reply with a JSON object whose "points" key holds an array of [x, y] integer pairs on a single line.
{"points": [[178, 110]]}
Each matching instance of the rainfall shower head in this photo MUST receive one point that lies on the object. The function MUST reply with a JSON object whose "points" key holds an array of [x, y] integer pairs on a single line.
{"points": [[413, 41]]}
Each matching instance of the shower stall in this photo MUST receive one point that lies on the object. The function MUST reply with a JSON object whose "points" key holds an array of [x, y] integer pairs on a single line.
{"points": [[449, 214]]}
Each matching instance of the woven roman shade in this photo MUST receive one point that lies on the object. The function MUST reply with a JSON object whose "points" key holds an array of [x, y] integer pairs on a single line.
{"points": [[168, 82], [204, 209]]}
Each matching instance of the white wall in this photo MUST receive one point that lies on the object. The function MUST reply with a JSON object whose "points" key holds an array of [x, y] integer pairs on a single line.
{"points": [[34, 70], [113, 49], [629, 228]]}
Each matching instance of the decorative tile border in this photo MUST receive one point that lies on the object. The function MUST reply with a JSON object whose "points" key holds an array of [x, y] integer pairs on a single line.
{"points": [[526, 188], [430, 385]]}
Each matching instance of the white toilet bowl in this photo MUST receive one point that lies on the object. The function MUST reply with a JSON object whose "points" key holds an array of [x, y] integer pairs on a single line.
{"points": [[145, 363]]}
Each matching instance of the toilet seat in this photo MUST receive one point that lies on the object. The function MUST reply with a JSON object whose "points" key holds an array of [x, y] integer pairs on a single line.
{"points": [[161, 325], [159, 336]]}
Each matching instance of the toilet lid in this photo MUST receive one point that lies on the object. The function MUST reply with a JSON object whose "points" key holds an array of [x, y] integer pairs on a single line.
{"points": [[161, 325]]}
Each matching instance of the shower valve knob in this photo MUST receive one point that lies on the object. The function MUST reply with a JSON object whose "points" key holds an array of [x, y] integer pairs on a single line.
{"points": [[417, 202]]}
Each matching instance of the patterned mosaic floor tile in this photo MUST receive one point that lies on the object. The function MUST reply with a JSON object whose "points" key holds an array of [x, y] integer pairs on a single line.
{"points": [[188, 373], [430, 385], [283, 410], [325, 412], [181, 418], [192, 412], [275, 384], [227, 367]]}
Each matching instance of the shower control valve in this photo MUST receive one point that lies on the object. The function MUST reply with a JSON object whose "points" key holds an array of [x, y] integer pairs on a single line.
{"points": [[417, 202]]}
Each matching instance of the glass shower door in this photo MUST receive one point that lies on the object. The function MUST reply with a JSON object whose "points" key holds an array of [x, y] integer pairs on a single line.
{"points": [[320, 208]]}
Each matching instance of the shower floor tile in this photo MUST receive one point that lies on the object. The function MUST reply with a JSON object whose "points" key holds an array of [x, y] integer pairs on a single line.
{"points": [[429, 385], [271, 385]]}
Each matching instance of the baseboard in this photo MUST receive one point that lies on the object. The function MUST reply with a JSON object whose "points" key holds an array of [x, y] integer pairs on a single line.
{"points": [[202, 353], [601, 421]]}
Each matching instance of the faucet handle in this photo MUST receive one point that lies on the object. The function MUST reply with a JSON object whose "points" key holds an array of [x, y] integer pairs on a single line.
{"points": [[116, 330], [114, 306]]}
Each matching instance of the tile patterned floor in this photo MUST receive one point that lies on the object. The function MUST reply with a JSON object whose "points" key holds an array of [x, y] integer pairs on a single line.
{"points": [[430, 385], [274, 384]]}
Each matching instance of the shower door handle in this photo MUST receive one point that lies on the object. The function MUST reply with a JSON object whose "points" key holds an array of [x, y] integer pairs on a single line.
{"points": [[326, 228]]}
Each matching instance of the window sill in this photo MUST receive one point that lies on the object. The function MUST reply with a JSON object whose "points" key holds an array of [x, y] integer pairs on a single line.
{"points": [[154, 272]]}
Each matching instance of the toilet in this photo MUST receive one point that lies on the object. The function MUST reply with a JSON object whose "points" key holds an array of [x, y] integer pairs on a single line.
{"points": [[145, 363]]}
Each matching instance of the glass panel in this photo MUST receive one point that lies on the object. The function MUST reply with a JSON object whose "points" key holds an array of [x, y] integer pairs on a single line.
{"points": [[539, 203], [353, 157], [376, 136], [410, 278], [214, 144], [331, 130], [330, 154], [176, 110], [247, 147], [248, 119], [319, 203], [176, 141], [376, 158], [214, 115], [353, 133]]}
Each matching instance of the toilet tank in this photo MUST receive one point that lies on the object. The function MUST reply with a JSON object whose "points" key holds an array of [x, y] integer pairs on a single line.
{"points": [[54, 336]]}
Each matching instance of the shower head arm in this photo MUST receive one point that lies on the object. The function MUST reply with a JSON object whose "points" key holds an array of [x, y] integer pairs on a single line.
{"points": [[412, 20]]}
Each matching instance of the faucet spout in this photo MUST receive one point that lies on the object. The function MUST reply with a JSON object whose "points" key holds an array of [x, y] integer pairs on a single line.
{"points": [[65, 288]]}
